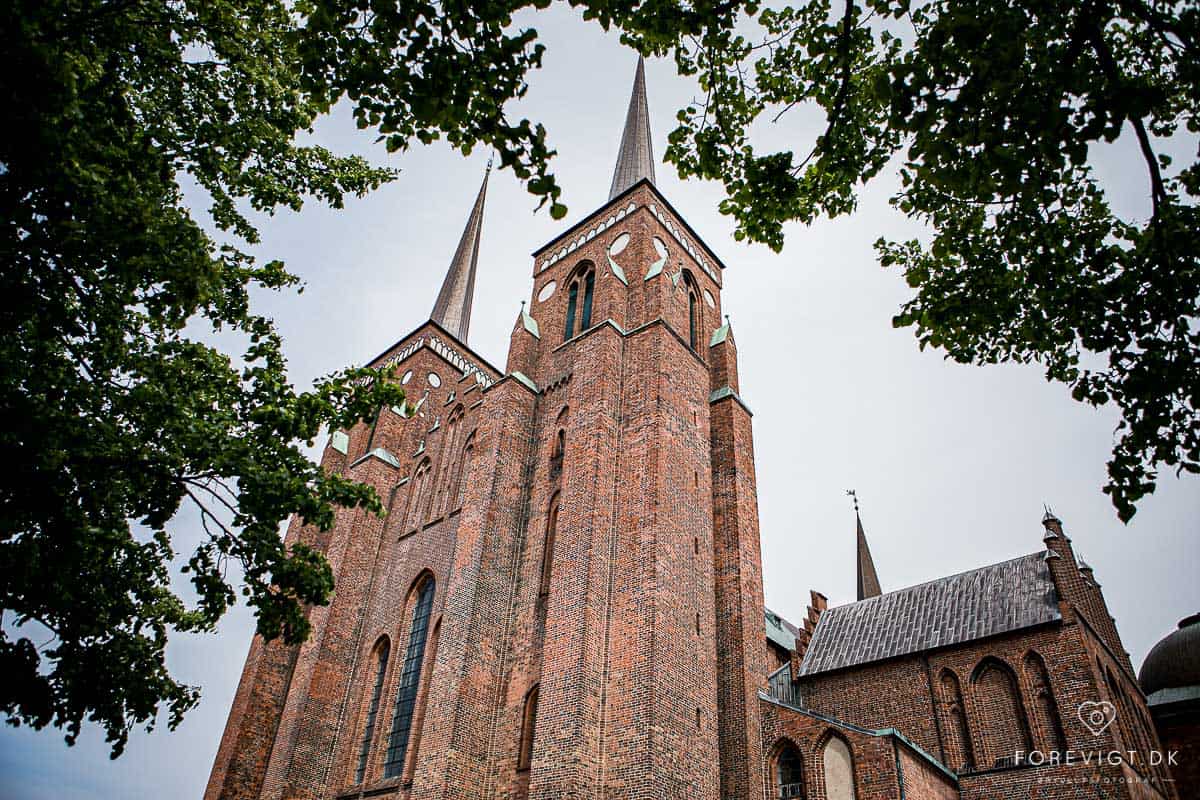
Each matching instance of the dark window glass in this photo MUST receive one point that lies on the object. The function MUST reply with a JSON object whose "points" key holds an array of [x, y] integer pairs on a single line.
{"points": [[692, 319], [410, 678], [372, 711], [548, 549], [589, 283], [528, 721], [789, 776], [572, 298]]}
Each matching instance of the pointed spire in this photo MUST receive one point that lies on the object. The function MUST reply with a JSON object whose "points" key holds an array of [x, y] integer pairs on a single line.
{"points": [[635, 160], [868, 580], [453, 307]]}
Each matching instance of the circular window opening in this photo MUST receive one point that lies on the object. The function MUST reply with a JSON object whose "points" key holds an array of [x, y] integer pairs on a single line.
{"points": [[547, 292], [407, 377], [434, 380], [618, 244]]}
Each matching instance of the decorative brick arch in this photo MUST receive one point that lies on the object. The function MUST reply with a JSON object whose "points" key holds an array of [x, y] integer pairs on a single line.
{"points": [[786, 770], [999, 713], [372, 682], [959, 752], [1047, 723], [835, 762]]}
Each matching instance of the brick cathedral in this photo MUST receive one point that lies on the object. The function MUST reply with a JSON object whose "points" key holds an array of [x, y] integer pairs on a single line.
{"points": [[565, 599]]}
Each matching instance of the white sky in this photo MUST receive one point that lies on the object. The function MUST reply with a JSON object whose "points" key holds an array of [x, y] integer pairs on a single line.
{"points": [[952, 463]]}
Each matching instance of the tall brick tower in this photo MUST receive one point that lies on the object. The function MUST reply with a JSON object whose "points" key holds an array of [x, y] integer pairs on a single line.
{"points": [[565, 597]]}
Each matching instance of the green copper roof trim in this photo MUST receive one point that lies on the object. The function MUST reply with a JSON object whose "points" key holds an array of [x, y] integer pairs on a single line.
{"points": [[656, 268], [1176, 694], [616, 269], [777, 633], [340, 442], [725, 391], [530, 323], [882, 732], [382, 455], [719, 335], [520, 376]]}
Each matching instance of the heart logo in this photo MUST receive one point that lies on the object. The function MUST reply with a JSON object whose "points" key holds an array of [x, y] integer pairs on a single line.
{"points": [[1096, 717]]}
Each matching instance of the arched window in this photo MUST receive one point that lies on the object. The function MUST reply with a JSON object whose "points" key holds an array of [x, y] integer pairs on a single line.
{"points": [[589, 286], [1043, 702], [382, 649], [528, 722], [692, 317], [998, 699], [839, 770], [423, 696], [959, 754], [416, 496], [548, 548], [460, 485], [789, 772], [556, 456], [410, 679], [587, 276], [572, 299]]}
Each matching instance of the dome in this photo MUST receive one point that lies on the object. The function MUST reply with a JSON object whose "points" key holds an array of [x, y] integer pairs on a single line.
{"points": [[1175, 661]]}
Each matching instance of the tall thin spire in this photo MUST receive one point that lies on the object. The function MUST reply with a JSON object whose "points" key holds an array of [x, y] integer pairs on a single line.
{"points": [[868, 580], [453, 307], [635, 160]]}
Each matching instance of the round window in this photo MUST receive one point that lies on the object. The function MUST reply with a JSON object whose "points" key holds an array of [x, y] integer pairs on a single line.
{"points": [[434, 380], [618, 244], [407, 377], [547, 292]]}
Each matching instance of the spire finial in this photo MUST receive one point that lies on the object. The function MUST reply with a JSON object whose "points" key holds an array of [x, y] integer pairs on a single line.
{"points": [[453, 307], [635, 159], [868, 579]]}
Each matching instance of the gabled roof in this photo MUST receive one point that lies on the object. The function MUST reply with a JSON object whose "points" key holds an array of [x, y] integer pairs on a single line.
{"points": [[996, 599]]}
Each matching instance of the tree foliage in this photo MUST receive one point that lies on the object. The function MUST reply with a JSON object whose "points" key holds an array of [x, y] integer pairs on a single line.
{"points": [[117, 413], [997, 112]]}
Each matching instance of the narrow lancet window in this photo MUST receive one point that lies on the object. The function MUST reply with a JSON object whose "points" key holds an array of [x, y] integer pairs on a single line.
{"points": [[528, 722], [410, 679], [589, 285], [692, 319], [364, 750], [572, 299]]}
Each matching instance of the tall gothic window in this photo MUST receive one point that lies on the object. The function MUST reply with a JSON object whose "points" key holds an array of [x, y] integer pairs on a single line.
{"points": [[459, 487], [998, 699], [548, 549], [410, 679], [528, 722], [1043, 702], [589, 285], [381, 657], [692, 318], [572, 299], [839, 770], [958, 735], [789, 773], [416, 496]]}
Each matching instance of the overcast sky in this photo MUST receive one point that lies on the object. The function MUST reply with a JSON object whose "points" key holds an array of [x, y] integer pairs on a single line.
{"points": [[952, 463]]}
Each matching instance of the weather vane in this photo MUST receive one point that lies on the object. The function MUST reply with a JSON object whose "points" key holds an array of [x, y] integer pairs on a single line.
{"points": [[854, 493]]}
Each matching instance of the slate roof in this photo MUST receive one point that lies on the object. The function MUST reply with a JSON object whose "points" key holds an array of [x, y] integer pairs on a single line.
{"points": [[635, 159], [453, 307], [972, 605]]}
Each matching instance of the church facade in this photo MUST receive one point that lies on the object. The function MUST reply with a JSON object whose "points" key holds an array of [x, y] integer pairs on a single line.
{"points": [[564, 598]]}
